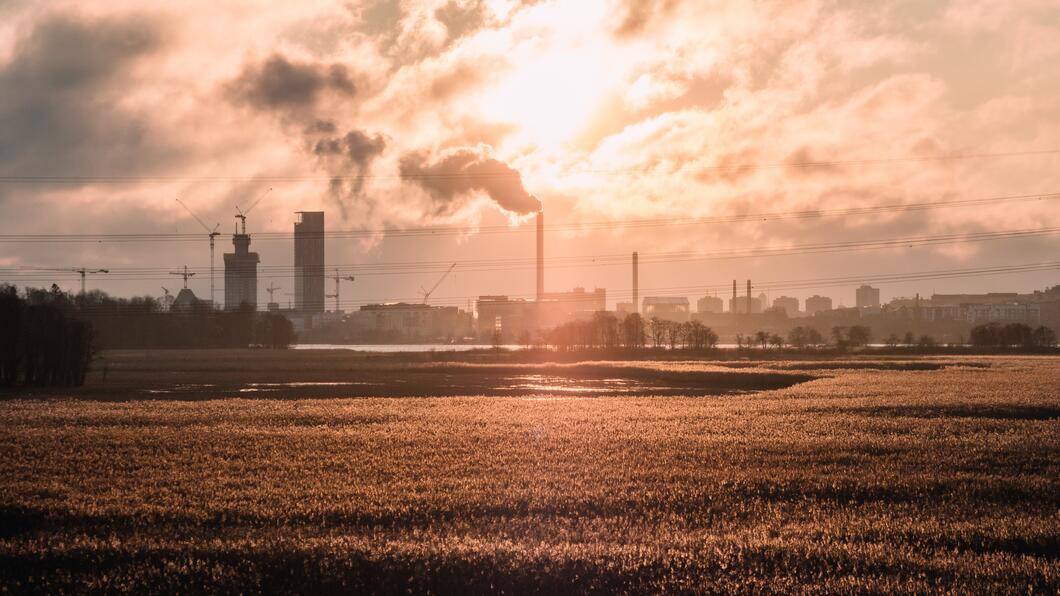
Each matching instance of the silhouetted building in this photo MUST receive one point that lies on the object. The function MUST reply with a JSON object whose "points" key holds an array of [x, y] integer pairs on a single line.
{"points": [[739, 305], [185, 302], [789, 305], [309, 261], [241, 274], [710, 304], [868, 297], [508, 318], [667, 308], [816, 304], [413, 322]]}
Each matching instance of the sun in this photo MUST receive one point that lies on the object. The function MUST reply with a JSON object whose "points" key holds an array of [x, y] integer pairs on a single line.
{"points": [[549, 97]]}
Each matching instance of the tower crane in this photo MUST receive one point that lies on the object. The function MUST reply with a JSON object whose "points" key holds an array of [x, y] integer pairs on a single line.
{"points": [[241, 215], [338, 278], [271, 290], [212, 233], [185, 274], [83, 272], [427, 293]]}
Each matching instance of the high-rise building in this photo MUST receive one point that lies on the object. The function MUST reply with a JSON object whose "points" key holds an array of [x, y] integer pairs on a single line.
{"points": [[788, 304], [309, 261], [816, 304], [241, 274], [868, 297]]}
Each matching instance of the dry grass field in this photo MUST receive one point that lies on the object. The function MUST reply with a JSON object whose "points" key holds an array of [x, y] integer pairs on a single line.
{"points": [[862, 476]]}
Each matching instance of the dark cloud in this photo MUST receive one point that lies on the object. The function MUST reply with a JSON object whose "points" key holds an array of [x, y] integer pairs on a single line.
{"points": [[461, 18], [639, 13], [463, 171], [280, 83], [357, 147], [348, 159], [321, 127], [60, 111]]}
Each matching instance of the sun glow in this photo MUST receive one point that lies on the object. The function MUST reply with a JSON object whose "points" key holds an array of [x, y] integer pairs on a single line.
{"points": [[550, 97]]}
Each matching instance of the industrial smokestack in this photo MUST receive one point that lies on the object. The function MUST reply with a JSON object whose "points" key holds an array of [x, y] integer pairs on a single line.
{"points": [[636, 283], [732, 305], [540, 255], [749, 297]]}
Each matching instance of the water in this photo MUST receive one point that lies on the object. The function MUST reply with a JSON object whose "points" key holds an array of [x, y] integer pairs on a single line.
{"points": [[403, 347]]}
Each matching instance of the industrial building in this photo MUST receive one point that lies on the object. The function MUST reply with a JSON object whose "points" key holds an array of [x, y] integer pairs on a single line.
{"points": [[556, 308], [241, 273], [504, 317], [816, 304], [789, 305], [745, 305], [710, 304], [868, 297], [667, 308], [412, 322], [309, 262]]}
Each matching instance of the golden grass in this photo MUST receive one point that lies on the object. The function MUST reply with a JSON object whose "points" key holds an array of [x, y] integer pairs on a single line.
{"points": [[861, 480]]}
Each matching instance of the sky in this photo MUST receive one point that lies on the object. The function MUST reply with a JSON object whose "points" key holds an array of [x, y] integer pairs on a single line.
{"points": [[473, 114]]}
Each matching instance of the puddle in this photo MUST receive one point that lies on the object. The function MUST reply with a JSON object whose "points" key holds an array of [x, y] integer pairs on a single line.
{"points": [[557, 384]]}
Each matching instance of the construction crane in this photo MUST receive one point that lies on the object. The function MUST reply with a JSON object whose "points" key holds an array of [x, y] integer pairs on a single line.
{"points": [[427, 293], [83, 272], [242, 215], [212, 234], [272, 289], [185, 274], [338, 278]]}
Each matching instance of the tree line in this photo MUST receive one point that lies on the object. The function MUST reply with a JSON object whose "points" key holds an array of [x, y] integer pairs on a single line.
{"points": [[144, 322], [606, 330], [41, 344]]}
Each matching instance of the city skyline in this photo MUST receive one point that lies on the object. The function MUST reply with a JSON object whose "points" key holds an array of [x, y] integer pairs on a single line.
{"points": [[388, 115]]}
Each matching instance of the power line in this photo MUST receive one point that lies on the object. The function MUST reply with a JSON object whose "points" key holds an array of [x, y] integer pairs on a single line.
{"points": [[580, 261], [120, 179], [583, 226], [772, 286]]}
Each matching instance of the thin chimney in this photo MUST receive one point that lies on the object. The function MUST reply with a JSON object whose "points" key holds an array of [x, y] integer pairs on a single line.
{"points": [[636, 283], [732, 307], [748, 296], [540, 255]]}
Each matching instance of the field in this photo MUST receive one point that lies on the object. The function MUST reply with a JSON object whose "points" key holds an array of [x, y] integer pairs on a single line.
{"points": [[830, 475]]}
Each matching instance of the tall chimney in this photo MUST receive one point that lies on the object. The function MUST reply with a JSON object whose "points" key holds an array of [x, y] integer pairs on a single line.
{"points": [[636, 283], [749, 309], [732, 305], [540, 255]]}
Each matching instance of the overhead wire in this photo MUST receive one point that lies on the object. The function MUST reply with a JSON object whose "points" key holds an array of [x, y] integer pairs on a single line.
{"points": [[617, 224]]}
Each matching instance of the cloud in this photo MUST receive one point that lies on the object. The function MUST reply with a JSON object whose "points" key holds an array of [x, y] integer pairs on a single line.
{"points": [[347, 159], [461, 18], [639, 13], [62, 110], [280, 83], [460, 172]]}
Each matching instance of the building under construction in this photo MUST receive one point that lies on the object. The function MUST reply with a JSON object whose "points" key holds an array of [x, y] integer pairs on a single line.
{"points": [[309, 262], [241, 274]]}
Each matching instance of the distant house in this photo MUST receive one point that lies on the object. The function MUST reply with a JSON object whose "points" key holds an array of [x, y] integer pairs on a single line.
{"points": [[185, 302]]}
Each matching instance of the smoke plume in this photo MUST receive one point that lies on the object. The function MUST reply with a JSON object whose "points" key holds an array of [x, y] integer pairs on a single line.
{"points": [[463, 171]]}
